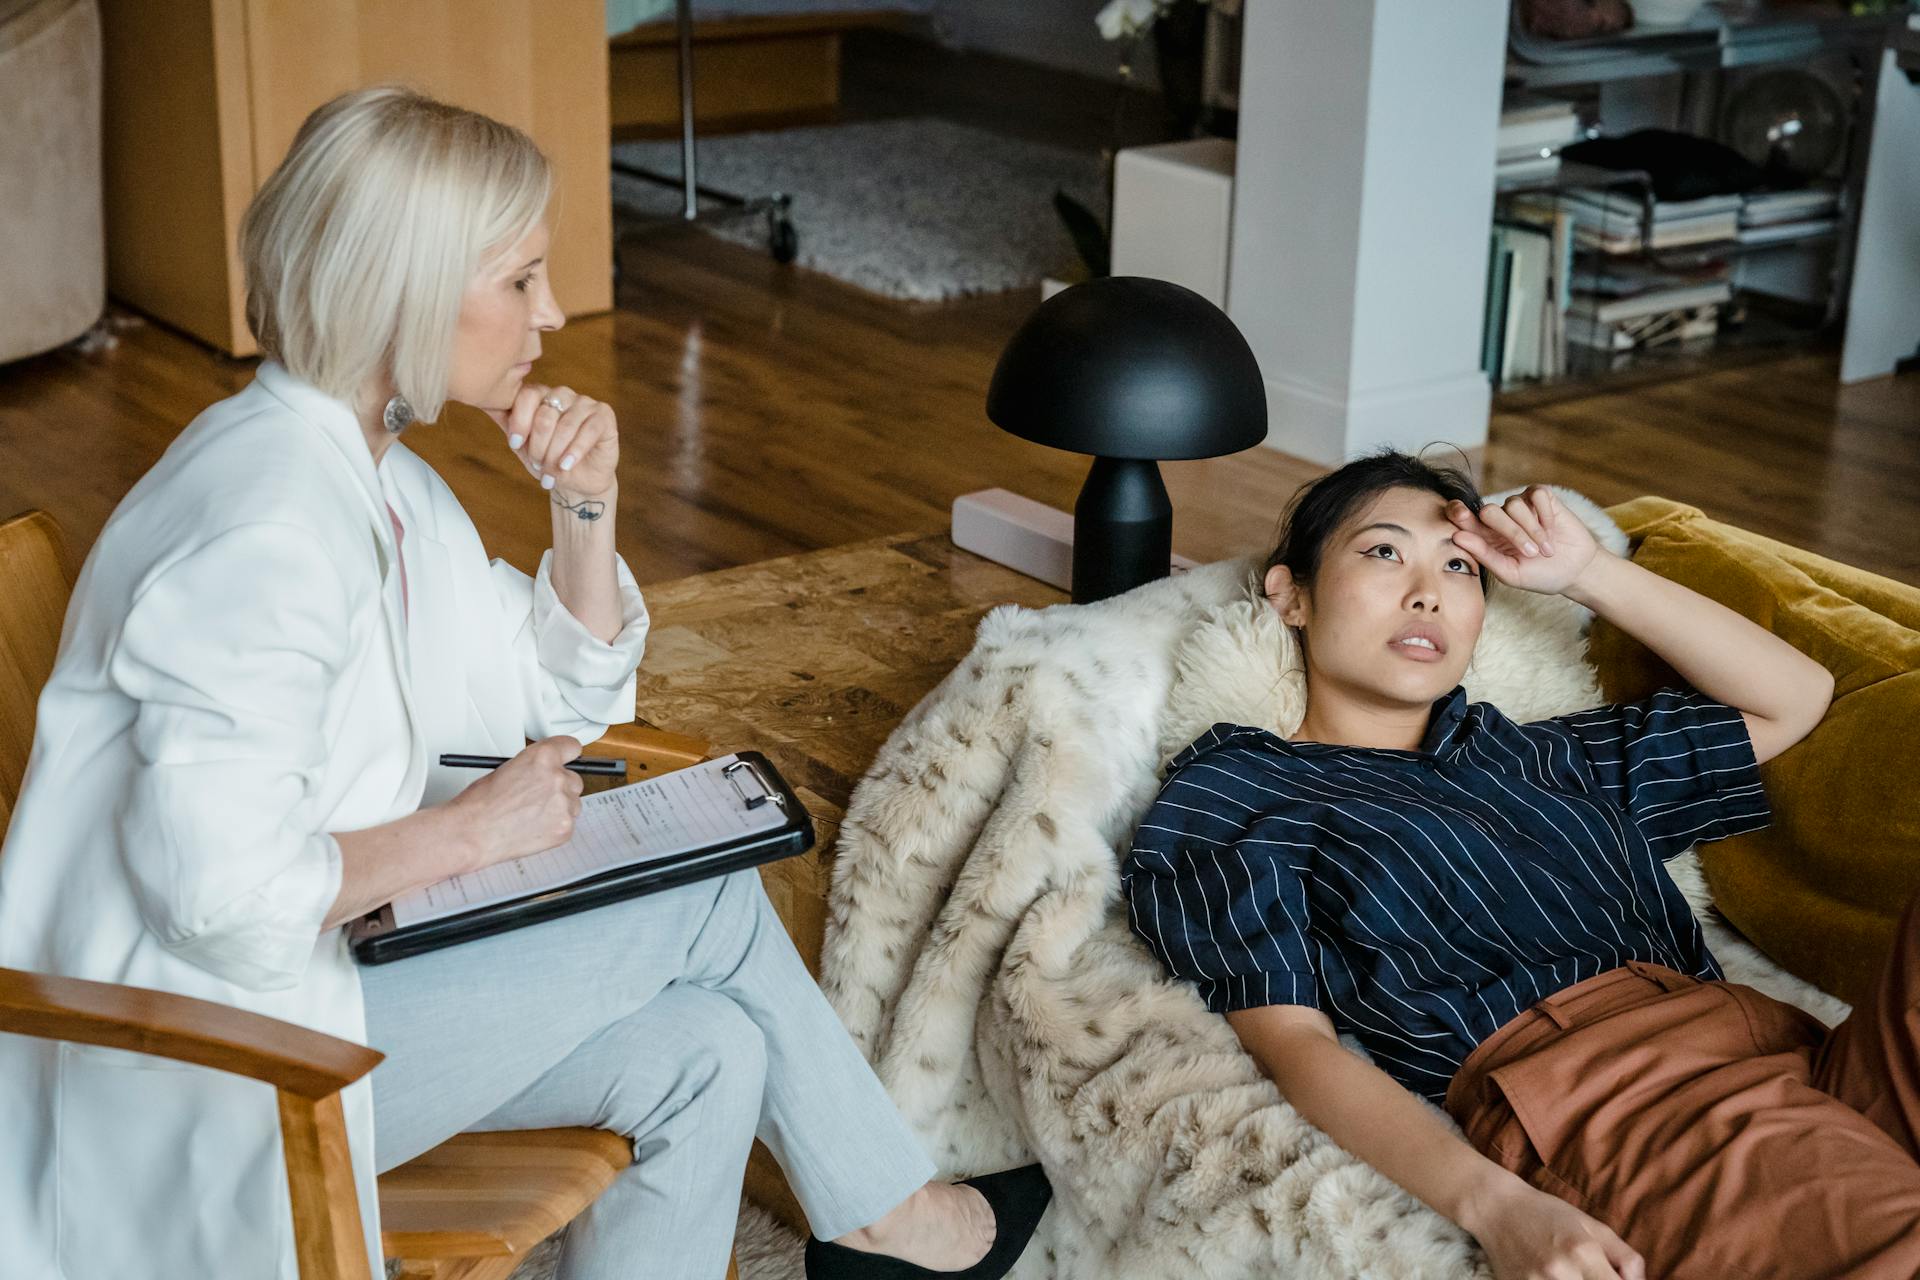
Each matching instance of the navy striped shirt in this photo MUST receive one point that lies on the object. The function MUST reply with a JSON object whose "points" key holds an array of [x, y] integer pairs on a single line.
{"points": [[1421, 899]]}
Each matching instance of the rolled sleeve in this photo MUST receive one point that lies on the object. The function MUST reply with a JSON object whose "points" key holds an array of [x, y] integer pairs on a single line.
{"points": [[1215, 906], [1680, 764], [574, 682], [219, 826]]}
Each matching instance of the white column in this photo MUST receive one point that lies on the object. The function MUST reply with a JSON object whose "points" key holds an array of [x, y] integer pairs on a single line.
{"points": [[1363, 194], [1883, 305]]}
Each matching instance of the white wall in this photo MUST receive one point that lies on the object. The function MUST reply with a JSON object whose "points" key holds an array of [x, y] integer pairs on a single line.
{"points": [[1362, 195]]}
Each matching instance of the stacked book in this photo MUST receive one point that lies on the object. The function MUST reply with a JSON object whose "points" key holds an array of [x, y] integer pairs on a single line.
{"points": [[1629, 324], [1774, 217], [1540, 301], [1532, 131], [1528, 272], [1626, 277], [1628, 304], [1614, 221]]}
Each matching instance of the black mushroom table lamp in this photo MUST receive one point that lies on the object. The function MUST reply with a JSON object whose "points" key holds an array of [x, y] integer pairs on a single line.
{"points": [[1134, 372]]}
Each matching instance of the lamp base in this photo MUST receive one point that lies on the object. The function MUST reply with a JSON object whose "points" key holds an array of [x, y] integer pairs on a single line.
{"points": [[1026, 536], [1122, 529]]}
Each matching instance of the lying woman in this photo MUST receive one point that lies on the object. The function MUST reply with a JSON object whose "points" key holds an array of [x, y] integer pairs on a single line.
{"points": [[1482, 906]]}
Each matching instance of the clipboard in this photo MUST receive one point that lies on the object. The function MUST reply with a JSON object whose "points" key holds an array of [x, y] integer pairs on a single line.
{"points": [[377, 938]]}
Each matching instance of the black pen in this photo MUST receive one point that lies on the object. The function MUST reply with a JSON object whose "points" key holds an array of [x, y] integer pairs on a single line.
{"points": [[594, 766]]}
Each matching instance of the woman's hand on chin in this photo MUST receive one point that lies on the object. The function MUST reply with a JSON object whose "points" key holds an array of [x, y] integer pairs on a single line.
{"points": [[1529, 541], [564, 439]]}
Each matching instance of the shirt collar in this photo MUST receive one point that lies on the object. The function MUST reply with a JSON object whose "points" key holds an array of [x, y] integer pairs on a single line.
{"points": [[1446, 726], [1445, 720], [335, 420]]}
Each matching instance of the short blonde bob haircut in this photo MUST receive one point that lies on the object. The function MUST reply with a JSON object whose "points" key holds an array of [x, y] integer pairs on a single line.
{"points": [[358, 249]]}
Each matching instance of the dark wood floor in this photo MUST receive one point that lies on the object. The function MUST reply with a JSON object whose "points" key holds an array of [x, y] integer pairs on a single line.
{"points": [[1778, 447], [767, 411]]}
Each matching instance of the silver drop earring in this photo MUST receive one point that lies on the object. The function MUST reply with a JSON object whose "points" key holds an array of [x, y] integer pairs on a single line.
{"points": [[398, 415]]}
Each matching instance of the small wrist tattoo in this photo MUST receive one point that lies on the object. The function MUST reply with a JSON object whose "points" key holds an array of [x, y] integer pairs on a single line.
{"points": [[585, 509]]}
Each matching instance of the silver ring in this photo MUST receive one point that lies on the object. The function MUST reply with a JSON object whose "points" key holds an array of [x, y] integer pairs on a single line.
{"points": [[553, 402]]}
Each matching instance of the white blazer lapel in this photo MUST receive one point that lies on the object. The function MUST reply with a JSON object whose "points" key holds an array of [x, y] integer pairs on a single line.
{"points": [[458, 667], [433, 641], [336, 422]]}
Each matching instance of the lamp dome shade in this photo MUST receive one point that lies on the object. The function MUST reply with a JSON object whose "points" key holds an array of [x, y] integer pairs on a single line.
{"points": [[1127, 367]]}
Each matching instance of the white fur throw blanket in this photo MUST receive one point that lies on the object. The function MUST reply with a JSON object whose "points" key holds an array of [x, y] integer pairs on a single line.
{"points": [[979, 953]]}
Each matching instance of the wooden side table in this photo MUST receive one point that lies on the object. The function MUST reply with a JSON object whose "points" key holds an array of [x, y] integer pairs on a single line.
{"points": [[813, 659], [202, 99]]}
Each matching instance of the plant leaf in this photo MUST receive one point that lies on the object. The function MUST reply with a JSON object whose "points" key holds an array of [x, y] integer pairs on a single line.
{"points": [[1089, 237]]}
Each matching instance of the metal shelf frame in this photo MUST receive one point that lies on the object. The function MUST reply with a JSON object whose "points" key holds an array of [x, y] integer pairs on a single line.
{"points": [[1724, 36]]}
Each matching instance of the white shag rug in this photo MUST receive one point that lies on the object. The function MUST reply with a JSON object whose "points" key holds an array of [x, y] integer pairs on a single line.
{"points": [[916, 209]]}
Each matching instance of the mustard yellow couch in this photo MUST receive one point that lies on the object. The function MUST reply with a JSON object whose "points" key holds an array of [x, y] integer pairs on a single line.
{"points": [[1821, 889]]}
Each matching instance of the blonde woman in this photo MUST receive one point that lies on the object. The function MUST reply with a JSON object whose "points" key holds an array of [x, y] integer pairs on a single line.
{"points": [[280, 628]]}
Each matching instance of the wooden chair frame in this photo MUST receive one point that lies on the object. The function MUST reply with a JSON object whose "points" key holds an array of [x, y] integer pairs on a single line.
{"points": [[307, 1068]]}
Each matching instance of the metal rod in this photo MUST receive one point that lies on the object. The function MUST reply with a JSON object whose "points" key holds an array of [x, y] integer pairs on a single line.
{"points": [[677, 180], [683, 16]]}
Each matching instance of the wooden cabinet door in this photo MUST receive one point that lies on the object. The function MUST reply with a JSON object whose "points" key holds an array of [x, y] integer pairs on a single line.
{"points": [[204, 97]]}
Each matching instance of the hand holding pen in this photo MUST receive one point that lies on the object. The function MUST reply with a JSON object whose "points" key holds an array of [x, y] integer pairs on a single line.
{"points": [[523, 805]]}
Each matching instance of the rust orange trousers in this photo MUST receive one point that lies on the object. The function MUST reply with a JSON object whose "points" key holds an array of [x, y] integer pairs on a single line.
{"points": [[1723, 1134]]}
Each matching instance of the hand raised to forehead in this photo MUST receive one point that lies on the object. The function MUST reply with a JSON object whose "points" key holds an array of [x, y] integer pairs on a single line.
{"points": [[1531, 541]]}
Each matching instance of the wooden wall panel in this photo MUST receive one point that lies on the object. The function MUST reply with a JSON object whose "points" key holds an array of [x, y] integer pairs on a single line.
{"points": [[240, 175], [736, 79], [539, 66], [569, 108], [203, 98], [167, 159], [298, 56]]}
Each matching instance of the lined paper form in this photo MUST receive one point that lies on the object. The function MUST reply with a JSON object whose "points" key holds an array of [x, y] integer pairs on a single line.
{"points": [[647, 821]]}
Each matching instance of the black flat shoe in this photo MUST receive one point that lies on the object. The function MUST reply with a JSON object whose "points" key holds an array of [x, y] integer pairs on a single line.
{"points": [[1017, 1197]]}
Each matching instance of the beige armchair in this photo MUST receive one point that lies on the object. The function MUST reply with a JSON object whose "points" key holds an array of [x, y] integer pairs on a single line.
{"points": [[53, 271]]}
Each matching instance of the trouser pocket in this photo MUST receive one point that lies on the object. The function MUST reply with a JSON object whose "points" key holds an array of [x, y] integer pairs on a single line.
{"points": [[1576, 1092]]}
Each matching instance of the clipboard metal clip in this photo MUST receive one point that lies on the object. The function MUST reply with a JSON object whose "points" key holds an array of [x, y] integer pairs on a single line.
{"points": [[751, 799]]}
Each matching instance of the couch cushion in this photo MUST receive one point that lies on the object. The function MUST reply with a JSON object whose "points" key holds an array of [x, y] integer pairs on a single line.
{"points": [[1821, 890]]}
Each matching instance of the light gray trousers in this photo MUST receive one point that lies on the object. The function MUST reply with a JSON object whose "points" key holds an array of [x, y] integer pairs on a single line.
{"points": [[684, 1020]]}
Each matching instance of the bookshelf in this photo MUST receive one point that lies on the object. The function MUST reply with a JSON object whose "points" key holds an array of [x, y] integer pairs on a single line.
{"points": [[1622, 229], [1721, 37]]}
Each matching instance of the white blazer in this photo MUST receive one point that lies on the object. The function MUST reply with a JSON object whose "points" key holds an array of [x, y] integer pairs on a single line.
{"points": [[236, 679]]}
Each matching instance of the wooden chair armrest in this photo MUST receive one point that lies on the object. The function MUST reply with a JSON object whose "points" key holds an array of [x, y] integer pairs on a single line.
{"points": [[293, 1059], [648, 751]]}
